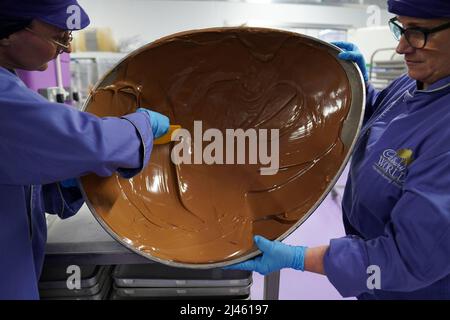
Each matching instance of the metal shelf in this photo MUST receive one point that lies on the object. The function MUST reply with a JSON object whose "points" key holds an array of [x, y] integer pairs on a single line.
{"points": [[383, 72]]}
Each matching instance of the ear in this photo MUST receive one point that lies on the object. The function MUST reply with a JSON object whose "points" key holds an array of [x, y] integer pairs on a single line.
{"points": [[6, 42]]}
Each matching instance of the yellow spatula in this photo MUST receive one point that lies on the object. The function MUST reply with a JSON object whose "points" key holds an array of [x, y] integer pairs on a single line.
{"points": [[167, 137]]}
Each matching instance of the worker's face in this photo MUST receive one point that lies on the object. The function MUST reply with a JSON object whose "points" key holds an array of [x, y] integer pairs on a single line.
{"points": [[31, 50], [432, 62]]}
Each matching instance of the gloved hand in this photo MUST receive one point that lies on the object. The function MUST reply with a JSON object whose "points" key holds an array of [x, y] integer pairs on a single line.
{"points": [[352, 53], [160, 123], [275, 256], [69, 183]]}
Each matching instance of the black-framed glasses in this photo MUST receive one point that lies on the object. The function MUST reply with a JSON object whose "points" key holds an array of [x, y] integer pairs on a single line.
{"points": [[62, 44], [417, 37]]}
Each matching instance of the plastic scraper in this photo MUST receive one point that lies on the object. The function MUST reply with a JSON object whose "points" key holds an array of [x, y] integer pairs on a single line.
{"points": [[167, 138]]}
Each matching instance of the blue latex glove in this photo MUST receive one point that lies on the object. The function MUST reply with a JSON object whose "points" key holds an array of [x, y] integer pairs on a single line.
{"points": [[70, 183], [352, 53], [275, 256], [160, 123]]}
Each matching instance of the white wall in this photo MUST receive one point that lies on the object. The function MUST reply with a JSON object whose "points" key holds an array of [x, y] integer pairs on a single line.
{"points": [[371, 39], [151, 20]]}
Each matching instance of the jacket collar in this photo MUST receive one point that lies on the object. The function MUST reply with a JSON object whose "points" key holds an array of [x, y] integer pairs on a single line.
{"points": [[437, 86]]}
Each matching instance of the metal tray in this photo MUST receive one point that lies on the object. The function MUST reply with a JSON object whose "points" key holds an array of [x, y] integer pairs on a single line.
{"points": [[103, 294], [158, 275], [114, 296], [55, 277], [182, 292], [102, 277]]}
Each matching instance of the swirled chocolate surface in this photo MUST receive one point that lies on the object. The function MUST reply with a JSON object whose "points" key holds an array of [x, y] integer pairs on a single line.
{"points": [[227, 78]]}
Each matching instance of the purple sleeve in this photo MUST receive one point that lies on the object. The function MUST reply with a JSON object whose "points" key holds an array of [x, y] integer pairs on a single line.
{"points": [[42, 142], [64, 202], [414, 250]]}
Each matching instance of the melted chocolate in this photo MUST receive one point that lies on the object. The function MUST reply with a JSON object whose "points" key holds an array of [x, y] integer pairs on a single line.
{"points": [[228, 78]]}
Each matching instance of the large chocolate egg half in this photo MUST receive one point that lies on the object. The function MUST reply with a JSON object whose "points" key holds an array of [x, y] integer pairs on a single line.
{"points": [[204, 214]]}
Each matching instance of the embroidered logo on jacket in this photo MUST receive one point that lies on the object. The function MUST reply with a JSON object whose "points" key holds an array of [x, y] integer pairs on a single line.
{"points": [[393, 165]]}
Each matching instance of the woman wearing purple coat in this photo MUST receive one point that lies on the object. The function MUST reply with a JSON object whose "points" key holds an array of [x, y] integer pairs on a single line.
{"points": [[43, 143], [396, 205]]}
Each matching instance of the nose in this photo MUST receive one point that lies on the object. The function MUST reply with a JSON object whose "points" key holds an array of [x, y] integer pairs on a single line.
{"points": [[404, 47], [69, 49]]}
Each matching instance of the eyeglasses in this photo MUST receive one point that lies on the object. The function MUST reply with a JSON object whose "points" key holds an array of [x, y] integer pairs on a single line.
{"points": [[416, 36], [62, 44]]}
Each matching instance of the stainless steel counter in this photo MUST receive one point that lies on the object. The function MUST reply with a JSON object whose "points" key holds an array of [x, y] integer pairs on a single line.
{"points": [[81, 240]]}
